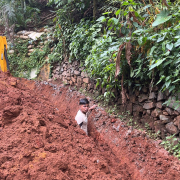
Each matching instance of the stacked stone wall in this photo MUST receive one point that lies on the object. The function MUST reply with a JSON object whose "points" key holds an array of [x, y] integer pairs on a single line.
{"points": [[74, 75]]}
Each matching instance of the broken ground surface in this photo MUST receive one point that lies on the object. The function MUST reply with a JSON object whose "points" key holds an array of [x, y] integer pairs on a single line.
{"points": [[39, 139]]}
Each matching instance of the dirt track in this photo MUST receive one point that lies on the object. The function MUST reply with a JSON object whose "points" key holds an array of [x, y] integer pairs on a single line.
{"points": [[39, 139]]}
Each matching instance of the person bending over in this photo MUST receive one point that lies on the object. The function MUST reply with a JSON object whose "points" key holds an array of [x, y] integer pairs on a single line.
{"points": [[81, 116]]}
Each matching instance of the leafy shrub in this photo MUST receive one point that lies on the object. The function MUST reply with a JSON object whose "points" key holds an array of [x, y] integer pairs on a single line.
{"points": [[83, 38], [21, 65], [136, 45], [172, 145]]}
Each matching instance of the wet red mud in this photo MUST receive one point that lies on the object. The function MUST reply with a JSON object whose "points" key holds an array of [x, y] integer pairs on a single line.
{"points": [[39, 139]]}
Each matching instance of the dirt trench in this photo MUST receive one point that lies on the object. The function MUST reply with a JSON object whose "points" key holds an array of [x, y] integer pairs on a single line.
{"points": [[39, 139]]}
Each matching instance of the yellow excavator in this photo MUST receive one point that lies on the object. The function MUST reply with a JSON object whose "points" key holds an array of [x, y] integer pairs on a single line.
{"points": [[4, 63]]}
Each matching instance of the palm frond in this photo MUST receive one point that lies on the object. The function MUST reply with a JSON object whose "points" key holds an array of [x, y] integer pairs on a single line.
{"points": [[9, 10]]}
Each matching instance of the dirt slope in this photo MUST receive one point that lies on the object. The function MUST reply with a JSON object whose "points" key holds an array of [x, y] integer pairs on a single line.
{"points": [[39, 139], [39, 142]]}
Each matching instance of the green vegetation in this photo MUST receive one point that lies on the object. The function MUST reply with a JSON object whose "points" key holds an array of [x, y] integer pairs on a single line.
{"points": [[172, 145], [21, 64], [15, 15], [132, 45], [18, 61]]}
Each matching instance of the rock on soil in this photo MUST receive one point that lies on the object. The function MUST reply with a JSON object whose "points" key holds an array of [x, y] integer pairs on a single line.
{"points": [[39, 139]]}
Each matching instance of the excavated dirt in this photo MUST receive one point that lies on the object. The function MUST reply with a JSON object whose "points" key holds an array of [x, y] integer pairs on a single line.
{"points": [[39, 139]]}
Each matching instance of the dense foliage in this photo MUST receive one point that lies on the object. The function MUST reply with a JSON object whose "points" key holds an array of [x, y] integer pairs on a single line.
{"points": [[134, 44], [21, 64], [130, 45]]}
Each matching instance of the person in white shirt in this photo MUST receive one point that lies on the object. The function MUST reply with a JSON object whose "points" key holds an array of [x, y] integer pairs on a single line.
{"points": [[81, 116]]}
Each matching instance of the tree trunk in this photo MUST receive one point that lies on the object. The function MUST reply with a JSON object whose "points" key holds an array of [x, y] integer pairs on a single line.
{"points": [[9, 30], [94, 8]]}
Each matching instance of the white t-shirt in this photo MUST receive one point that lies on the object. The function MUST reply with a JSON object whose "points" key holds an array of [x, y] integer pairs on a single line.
{"points": [[82, 118]]}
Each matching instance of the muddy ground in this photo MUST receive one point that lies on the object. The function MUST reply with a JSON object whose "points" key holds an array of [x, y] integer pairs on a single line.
{"points": [[39, 139]]}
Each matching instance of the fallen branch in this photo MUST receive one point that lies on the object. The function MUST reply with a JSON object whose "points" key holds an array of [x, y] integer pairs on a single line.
{"points": [[44, 21]]}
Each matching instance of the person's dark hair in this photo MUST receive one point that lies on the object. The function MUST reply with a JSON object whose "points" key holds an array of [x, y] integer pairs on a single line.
{"points": [[83, 101]]}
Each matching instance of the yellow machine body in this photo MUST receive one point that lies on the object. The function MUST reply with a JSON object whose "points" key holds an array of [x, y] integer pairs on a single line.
{"points": [[3, 45]]}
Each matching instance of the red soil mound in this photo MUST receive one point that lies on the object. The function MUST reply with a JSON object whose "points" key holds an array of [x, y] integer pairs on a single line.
{"points": [[39, 139]]}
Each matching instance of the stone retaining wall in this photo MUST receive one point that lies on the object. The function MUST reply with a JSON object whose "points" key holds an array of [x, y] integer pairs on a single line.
{"points": [[73, 74], [147, 108]]}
